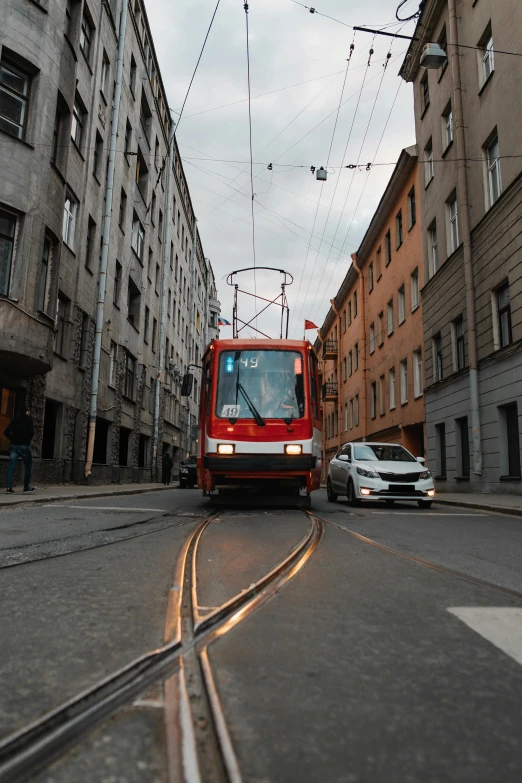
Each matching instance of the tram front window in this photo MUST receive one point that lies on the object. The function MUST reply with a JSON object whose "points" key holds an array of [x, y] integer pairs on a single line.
{"points": [[260, 385]]}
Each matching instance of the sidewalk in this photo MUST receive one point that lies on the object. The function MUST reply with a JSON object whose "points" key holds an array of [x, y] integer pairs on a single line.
{"points": [[54, 492], [503, 504]]}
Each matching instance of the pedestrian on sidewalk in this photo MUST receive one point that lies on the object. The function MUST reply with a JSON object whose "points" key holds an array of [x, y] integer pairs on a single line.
{"points": [[20, 432], [167, 468]]}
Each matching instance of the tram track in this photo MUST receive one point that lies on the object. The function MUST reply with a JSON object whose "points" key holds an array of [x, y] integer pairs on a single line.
{"points": [[202, 743]]}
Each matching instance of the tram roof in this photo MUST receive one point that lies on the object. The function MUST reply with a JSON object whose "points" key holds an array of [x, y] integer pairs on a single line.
{"points": [[239, 344]]}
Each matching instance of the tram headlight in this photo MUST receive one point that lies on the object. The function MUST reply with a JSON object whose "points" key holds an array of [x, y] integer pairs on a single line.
{"points": [[293, 448], [225, 448]]}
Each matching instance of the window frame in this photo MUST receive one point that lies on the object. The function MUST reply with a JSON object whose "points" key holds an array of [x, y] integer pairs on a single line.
{"points": [[22, 97], [12, 240], [453, 224], [412, 208], [414, 287], [493, 171], [69, 216], [403, 376], [418, 388]]}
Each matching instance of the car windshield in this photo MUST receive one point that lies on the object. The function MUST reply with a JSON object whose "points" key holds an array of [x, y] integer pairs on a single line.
{"points": [[272, 380], [191, 461], [382, 453]]}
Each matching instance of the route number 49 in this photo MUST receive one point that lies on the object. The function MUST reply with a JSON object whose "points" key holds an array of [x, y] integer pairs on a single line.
{"points": [[230, 411]]}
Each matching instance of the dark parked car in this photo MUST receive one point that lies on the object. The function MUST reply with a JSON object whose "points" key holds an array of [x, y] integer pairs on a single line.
{"points": [[188, 476]]}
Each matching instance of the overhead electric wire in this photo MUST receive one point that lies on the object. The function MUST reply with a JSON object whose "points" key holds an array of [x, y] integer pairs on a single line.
{"points": [[245, 6], [197, 64]]}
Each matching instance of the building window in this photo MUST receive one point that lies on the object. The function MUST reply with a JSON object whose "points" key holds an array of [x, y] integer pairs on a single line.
{"points": [[84, 342], [97, 155], [345, 417], [387, 247], [14, 92], [78, 122], [132, 76], [130, 375], [392, 389], [463, 463], [69, 220], [509, 441], [355, 304], [105, 74], [436, 344], [404, 381], [493, 166], [433, 252], [372, 338], [356, 410], [154, 333], [398, 229], [503, 315], [112, 364], [45, 269], [351, 414], [160, 225], [349, 313], [8, 224], [453, 224], [90, 239], [145, 116], [443, 43], [402, 304], [356, 356], [417, 373], [378, 264], [344, 320], [128, 138], [429, 169], [350, 364], [373, 400], [380, 329], [440, 446], [412, 209], [157, 281], [390, 317], [133, 303], [344, 370], [447, 127], [381, 395], [117, 284], [414, 290], [425, 92], [86, 36], [487, 57], [60, 337], [370, 277], [123, 210], [138, 237], [459, 356]]}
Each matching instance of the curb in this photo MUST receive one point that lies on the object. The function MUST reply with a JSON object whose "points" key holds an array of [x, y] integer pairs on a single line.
{"points": [[82, 496], [508, 510]]}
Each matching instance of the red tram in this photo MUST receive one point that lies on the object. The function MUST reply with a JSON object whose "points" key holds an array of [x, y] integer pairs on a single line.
{"points": [[259, 427]]}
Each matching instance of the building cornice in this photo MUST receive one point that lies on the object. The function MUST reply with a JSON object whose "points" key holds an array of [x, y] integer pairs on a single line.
{"points": [[350, 278], [405, 165], [430, 13]]}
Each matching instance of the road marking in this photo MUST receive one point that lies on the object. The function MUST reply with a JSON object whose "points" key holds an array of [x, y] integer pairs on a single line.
{"points": [[426, 513], [502, 626]]}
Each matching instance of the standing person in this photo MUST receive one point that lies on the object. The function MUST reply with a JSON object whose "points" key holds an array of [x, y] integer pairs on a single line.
{"points": [[20, 432], [167, 468]]}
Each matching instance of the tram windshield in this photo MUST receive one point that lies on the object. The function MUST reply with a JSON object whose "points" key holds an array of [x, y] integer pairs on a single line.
{"points": [[266, 384]]}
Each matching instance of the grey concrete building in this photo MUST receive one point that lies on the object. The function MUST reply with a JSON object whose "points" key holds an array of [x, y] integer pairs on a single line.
{"points": [[468, 119], [62, 101]]}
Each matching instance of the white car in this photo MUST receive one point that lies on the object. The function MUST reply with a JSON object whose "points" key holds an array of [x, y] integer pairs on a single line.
{"points": [[379, 471]]}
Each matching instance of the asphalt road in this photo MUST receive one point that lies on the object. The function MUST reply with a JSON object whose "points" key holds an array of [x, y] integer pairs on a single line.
{"points": [[368, 666]]}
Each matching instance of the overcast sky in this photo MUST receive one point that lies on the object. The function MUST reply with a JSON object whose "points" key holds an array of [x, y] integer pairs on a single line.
{"points": [[300, 59]]}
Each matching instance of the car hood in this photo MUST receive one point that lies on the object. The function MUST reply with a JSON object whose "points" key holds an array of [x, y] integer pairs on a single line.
{"points": [[390, 466]]}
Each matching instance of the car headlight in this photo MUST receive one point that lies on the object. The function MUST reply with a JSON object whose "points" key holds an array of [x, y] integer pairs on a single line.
{"points": [[367, 473], [293, 448], [424, 475], [225, 448]]}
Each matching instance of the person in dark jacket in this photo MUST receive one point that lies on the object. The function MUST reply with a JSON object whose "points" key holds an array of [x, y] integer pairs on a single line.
{"points": [[20, 432], [167, 468]]}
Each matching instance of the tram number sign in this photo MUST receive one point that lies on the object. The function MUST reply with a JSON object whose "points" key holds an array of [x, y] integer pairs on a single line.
{"points": [[230, 411]]}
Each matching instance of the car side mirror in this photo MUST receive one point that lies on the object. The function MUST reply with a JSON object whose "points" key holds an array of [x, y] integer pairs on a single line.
{"points": [[344, 458], [421, 460], [186, 386]]}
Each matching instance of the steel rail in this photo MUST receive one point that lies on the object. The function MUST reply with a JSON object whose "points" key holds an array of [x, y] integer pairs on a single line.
{"points": [[36, 745], [427, 563]]}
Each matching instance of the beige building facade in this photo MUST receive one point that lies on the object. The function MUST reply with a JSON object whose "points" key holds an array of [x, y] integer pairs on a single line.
{"points": [[468, 119]]}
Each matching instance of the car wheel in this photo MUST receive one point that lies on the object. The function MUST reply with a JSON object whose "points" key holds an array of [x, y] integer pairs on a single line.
{"points": [[389, 502], [424, 503], [332, 497], [350, 494]]}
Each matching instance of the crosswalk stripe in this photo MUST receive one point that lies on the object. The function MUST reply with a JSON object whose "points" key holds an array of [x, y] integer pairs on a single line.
{"points": [[502, 626]]}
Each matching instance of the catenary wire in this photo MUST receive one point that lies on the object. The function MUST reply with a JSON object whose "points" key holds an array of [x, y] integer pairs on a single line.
{"points": [[245, 6]]}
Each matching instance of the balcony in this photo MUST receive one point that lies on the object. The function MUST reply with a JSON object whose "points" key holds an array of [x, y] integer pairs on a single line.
{"points": [[214, 305], [330, 349], [27, 342], [329, 391]]}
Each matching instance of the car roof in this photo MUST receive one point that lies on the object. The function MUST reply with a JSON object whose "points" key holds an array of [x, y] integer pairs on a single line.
{"points": [[372, 443]]}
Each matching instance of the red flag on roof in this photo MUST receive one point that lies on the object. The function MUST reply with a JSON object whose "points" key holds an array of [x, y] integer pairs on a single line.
{"points": [[310, 325]]}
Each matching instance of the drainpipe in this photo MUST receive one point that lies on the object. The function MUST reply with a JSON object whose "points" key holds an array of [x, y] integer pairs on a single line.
{"points": [[339, 406], [363, 348], [163, 316], [102, 275], [466, 238]]}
